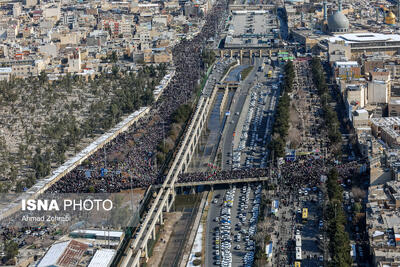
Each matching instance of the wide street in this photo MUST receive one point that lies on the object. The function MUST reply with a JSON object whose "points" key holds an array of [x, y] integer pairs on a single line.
{"points": [[257, 83], [231, 223]]}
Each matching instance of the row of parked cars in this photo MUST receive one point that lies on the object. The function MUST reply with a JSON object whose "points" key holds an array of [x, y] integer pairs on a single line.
{"points": [[223, 240], [245, 226], [243, 209]]}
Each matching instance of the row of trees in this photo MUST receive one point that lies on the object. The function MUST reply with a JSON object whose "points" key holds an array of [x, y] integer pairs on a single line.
{"points": [[10, 251], [289, 77], [208, 57], [182, 114], [339, 242], [179, 118], [281, 122], [330, 116]]}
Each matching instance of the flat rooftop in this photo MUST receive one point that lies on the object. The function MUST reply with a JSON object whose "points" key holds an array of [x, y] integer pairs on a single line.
{"points": [[385, 121], [251, 29], [365, 37]]}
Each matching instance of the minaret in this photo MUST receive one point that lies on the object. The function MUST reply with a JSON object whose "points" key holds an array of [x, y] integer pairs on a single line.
{"points": [[377, 14], [398, 9], [301, 18], [325, 12], [340, 5]]}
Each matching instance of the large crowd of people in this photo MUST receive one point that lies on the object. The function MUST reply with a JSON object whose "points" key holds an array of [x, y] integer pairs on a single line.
{"points": [[129, 160], [306, 171], [222, 175]]}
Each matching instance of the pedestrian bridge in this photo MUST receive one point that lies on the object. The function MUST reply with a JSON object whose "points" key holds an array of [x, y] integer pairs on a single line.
{"points": [[218, 182]]}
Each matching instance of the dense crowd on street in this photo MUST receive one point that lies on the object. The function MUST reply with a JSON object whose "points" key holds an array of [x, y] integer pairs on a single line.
{"points": [[129, 160], [307, 171], [222, 175], [310, 172]]}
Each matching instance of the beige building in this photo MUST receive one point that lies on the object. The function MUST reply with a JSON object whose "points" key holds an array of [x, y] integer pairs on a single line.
{"points": [[360, 118], [394, 108], [355, 94], [379, 87], [339, 51], [163, 57], [30, 3], [306, 38], [383, 223], [71, 38], [387, 129], [52, 12], [157, 56], [74, 61], [12, 30], [27, 68], [17, 9]]}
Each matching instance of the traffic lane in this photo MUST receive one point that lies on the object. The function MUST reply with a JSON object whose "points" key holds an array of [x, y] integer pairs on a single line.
{"points": [[310, 232], [264, 126], [233, 76], [238, 255], [238, 107], [228, 140], [213, 212]]}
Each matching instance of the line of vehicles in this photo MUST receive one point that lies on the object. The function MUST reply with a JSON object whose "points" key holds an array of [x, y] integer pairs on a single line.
{"points": [[245, 227], [223, 241]]}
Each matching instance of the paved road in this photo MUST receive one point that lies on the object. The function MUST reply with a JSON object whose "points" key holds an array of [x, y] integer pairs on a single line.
{"points": [[307, 104], [214, 211], [239, 110], [310, 231], [233, 76], [237, 106]]}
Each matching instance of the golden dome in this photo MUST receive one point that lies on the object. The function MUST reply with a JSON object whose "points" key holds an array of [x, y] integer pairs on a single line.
{"points": [[390, 18], [390, 15]]}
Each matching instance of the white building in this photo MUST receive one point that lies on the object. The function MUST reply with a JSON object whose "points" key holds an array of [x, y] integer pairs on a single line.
{"points": [[102, 258], [378, 92]]}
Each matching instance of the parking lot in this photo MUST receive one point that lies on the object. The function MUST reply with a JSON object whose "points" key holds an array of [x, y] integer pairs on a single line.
{"points": [[232, 220]]}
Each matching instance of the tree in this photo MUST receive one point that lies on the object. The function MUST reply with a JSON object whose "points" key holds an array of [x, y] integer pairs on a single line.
{"points": [[19, 187], [31, 180], [10, 249], [334, 190], [357, 207], [43, 77], [13, 172], [114, 57], [41, 163], [115, 71]]}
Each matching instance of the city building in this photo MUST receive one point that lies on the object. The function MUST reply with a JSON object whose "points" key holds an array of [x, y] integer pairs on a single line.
{"points": [[367, 43], [67, 253]]}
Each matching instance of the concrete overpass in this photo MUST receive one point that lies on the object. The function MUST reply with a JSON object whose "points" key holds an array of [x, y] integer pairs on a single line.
{"points": [[252, 7], [229, 181], [166, 194], [244, 52]]}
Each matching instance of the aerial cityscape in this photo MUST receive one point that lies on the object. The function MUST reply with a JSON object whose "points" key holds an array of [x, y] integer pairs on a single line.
{"points": [[200, 133]]}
